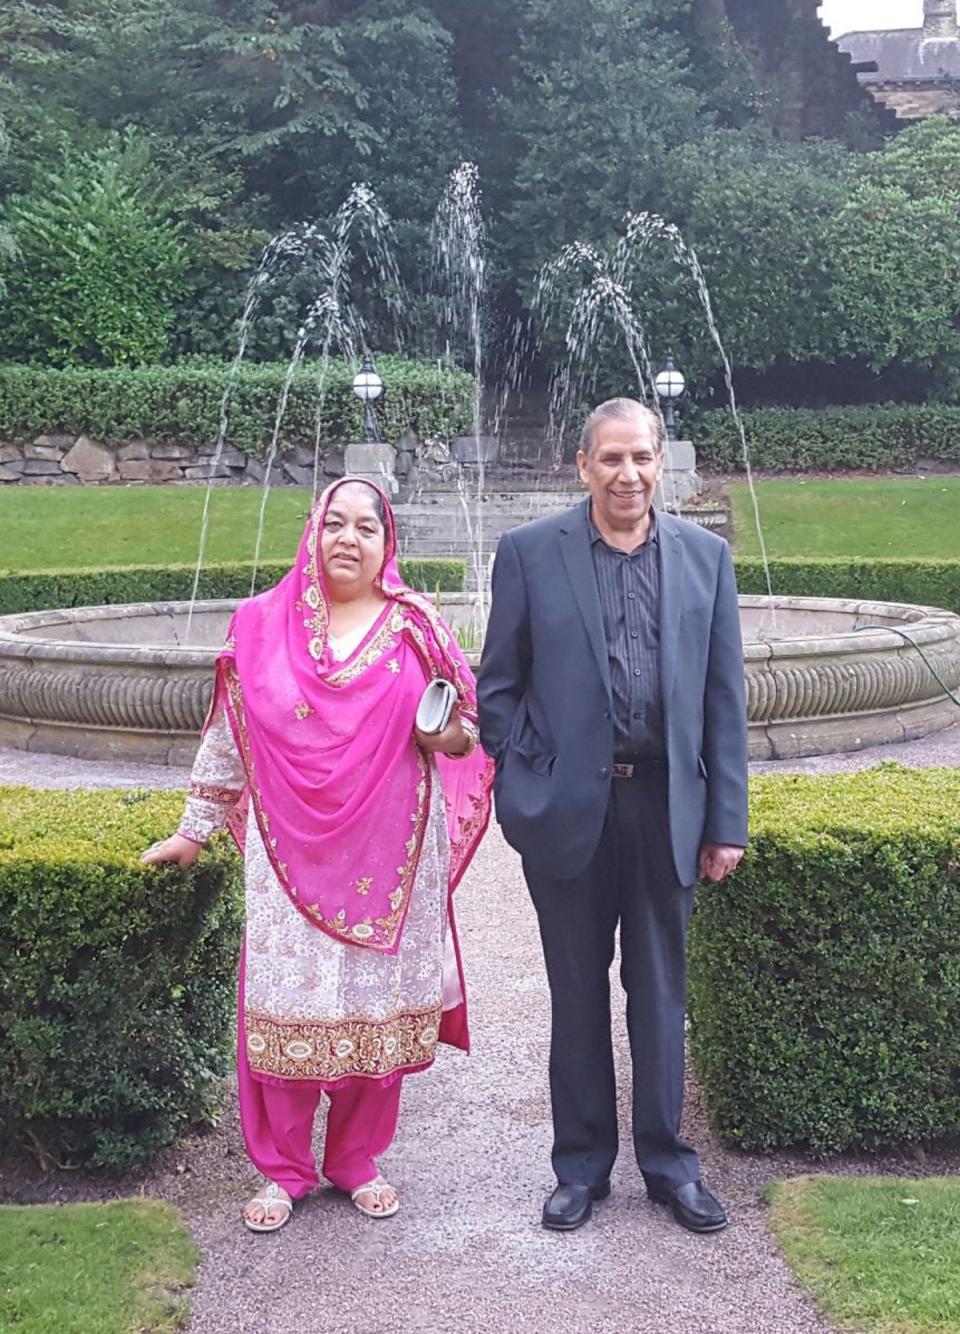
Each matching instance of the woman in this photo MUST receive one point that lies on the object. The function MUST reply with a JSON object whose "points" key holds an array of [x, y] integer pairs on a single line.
{"points": [[356, 828]]}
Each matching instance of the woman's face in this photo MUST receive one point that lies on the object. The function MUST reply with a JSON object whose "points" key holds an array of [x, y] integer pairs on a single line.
{"points": [[352, 541]]}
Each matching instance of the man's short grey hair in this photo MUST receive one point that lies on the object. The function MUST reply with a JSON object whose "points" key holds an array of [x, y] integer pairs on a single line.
{"points": [[622, 409]]}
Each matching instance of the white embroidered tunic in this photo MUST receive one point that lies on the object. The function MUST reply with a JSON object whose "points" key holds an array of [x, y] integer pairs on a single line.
{"points": [[316, 1008]]}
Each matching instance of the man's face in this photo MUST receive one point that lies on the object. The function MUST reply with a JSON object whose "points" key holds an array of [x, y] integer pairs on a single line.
{"points": [[622, 471]]}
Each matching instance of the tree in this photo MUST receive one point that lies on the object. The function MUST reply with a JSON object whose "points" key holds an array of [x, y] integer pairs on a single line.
{"points": [[923, 160], [238, 82], [895, 293], [755, 212], [100, 265]]}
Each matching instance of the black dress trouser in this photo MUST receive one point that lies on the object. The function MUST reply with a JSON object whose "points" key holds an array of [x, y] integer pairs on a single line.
{"points": [[632, 881]]}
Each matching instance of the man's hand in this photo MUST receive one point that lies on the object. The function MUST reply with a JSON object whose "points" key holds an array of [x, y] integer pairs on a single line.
{"points": [[453, 740], [717, 860], [176, 848]]}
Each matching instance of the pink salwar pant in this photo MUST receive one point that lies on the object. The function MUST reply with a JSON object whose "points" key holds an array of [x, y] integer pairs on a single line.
{"points": [[277, 1121]]}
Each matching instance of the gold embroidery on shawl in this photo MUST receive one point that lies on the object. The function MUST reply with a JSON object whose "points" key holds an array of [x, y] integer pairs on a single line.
{"points": [[302, 711], [313, 595], [363, 885], [381, 932], [313, 1049], [381, 642], [471, 826]]}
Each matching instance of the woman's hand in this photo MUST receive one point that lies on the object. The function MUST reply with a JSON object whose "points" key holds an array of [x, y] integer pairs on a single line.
{"points": [[453, 740], [176, 848]]}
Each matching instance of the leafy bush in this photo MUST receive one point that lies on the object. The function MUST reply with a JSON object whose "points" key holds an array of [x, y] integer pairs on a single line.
{"points": [[930, 583], [172, 583], [117, 981], [100, 265], [825, 975], [831, 439], [181, 403]]}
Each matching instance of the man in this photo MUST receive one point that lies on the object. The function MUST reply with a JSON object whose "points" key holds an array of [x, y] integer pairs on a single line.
{"points": [[612, 697]]}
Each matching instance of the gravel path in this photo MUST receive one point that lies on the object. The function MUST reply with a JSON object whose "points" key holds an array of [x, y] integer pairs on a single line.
{"points": [[466, 1253]]}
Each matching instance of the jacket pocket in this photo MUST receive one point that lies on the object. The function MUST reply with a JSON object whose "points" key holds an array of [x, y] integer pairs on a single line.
{"points": [[527, 742]]}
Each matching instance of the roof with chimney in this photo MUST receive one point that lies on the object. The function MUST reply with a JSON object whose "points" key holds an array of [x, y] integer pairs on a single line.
{"points": [[930, 54]]}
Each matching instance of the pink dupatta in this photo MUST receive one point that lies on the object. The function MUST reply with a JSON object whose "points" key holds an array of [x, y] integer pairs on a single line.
{"points": [[340, 789]]}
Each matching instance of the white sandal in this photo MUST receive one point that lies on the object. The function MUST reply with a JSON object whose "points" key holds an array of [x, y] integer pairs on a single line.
{"points": [[376, 1189], [268, 1201]]}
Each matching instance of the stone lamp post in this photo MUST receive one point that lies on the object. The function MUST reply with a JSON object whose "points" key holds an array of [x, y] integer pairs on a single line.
{"points": [[368, 387], [372, 458], [670, 386], [680, 479]]}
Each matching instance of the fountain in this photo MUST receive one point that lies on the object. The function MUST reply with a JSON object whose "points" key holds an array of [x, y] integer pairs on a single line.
{"points": [[121, 682], [134, 682]]}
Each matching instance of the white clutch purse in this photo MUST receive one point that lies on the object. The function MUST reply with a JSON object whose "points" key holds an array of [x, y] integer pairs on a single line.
{"points": [[436, 705]]}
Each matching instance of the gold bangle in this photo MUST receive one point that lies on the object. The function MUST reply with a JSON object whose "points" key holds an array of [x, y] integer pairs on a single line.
{"points": [[473, 739]]}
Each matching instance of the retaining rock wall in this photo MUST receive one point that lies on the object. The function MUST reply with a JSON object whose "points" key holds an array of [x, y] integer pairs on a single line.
{"points": [[67, 460]]}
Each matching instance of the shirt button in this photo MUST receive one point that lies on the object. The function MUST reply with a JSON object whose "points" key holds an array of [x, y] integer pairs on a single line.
{"points": [[631, 596], [634, 634], [606, 713], [604, 772], [638, 671]]}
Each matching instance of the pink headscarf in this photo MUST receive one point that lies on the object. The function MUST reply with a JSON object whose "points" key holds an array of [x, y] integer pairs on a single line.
{"points": [[340, 788]]}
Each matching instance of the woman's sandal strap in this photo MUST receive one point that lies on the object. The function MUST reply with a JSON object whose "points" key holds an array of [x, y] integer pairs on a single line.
{"points": [[268, 1203]]}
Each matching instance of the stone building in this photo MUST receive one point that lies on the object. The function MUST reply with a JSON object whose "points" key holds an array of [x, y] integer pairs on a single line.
{"points": [[802, 83], [913, 72]]}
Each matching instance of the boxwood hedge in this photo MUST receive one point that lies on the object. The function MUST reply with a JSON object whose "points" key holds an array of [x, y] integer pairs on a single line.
{"points": [[825, 975], [117, 981], [830, 439], [181, 403], [33, 591], [932, 583]]}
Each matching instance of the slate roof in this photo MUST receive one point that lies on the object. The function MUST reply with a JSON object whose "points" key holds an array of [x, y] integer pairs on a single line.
{"points": [[903, 55]]}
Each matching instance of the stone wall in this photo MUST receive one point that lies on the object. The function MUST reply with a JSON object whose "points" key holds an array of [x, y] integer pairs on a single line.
{"points": [[66, 460], [913, 101]]}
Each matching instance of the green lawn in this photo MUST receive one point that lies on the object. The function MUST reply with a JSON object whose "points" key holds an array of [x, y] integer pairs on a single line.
{"points": [[851, 517], [44, 528], [880, 1255], [117, 1268]]}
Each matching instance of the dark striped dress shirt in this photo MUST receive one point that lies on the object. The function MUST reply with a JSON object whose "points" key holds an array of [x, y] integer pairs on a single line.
{"points": [[629, 588]]}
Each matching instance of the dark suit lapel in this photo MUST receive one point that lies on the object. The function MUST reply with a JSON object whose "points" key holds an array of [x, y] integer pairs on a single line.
{"points": [[578, 561], [671, 600]]}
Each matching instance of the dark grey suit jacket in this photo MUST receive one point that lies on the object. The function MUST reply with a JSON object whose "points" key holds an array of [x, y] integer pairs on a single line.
{"points": [[545, 703]]}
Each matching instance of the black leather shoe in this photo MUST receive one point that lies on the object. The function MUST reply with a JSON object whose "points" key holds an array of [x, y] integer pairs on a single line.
{"points": [[692, 1206], [570, 1206]]}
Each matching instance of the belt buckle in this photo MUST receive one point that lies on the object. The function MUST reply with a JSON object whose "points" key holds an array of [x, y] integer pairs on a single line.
{"points": [[623, 770]]}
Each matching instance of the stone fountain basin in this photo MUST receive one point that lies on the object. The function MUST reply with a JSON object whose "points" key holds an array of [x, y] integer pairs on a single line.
{"points": [[122, 682]]}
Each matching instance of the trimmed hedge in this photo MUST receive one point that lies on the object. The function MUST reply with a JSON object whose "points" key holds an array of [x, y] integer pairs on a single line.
{"points": [[181, 403], [825, 975], [931, 583], [117, 981], [27, 591], [830, 439]]}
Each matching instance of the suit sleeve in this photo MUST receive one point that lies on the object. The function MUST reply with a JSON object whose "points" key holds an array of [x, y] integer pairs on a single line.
{"points": [[505, 665], [725, 718]]}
